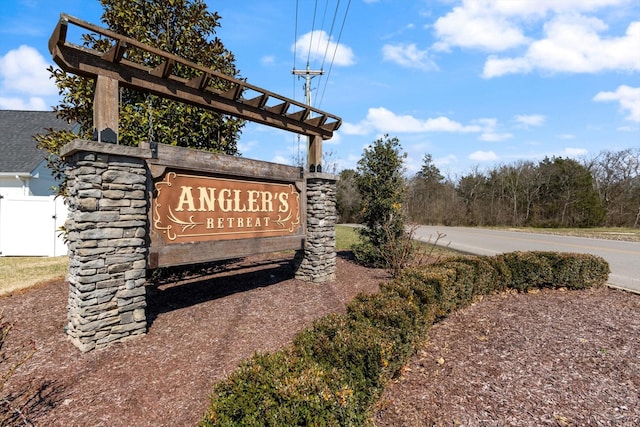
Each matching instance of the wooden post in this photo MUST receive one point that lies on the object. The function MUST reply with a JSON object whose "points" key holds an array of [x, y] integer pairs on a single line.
{"points": [[105, 110], [315, 154]]}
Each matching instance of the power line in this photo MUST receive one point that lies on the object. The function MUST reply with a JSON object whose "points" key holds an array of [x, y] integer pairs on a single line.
{"points": [[313, 24], [308, 73], [295, 37], [344, 20], [333, 21]]}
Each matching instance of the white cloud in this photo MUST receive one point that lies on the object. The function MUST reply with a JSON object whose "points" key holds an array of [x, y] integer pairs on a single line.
{"points": [[408, 56], [498, 25], [319, 47], [495, 136], [357, 129], [476, 25], [336, 139], [527, 120], [483, 156], [628, 98], [573, 44], [540, 8], [246, 147], [385, 120], [268, 60], [34, 103], [382, 120], [486, 123], [23, 71], [566, 136]]}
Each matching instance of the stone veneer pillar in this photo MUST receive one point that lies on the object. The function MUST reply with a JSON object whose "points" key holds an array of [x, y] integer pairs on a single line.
{"points": [[107, 240], [317, 262]]}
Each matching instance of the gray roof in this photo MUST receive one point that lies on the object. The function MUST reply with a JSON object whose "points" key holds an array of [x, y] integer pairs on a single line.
{"points": [[18, 152]]}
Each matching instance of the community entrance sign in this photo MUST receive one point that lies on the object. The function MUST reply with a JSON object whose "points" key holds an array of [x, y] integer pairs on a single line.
{"points": [[132, 209], [194, 208]]}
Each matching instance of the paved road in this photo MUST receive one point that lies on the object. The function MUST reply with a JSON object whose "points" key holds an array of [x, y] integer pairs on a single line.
{"points": [[623, 257]]}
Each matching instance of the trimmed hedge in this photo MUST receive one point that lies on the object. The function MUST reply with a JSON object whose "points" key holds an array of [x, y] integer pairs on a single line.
{"points": [[334, 372]]}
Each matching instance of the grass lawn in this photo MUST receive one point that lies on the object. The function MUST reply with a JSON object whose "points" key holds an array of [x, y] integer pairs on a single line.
{"points": [[346, 237], [22, 272]]}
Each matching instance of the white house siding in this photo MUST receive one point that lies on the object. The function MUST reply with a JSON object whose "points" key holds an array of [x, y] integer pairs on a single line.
{"points": [[11, 185]]}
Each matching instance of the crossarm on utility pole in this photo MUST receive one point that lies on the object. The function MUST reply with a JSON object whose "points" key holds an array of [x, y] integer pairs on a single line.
{"points": [[314, 145]]}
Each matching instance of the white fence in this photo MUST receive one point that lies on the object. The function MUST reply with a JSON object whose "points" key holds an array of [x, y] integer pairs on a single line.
{"points": [[29, 226]]}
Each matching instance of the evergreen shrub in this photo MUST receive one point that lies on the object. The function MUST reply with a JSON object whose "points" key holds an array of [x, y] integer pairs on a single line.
{"points": [[334, 372], [529, 270]]}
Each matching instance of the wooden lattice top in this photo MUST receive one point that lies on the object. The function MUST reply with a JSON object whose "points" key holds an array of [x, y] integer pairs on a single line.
{"points": [[241, 99]]}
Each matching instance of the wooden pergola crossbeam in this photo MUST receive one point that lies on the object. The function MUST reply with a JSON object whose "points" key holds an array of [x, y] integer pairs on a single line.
{"points": [[279, 109], [114, 64], [200, 82], [258, 101], [116, 53], [164, 69]]}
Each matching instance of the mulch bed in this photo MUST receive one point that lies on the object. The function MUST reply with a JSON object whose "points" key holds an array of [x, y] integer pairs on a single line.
{"points": [[554, 358], [550, 358], [201, 328]]}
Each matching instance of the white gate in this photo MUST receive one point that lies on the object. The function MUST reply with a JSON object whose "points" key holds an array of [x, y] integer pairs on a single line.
{"points": [[29, 226]]}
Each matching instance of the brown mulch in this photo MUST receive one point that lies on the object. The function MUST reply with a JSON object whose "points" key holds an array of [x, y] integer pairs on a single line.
{"points": [[551, 358]]}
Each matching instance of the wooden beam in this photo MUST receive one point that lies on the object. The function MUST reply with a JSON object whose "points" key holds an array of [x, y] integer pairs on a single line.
{"points": [[314, 157], [278, 109], [105, 110], [200, 82], [332, 126], [191, 253], [317, 121], [233, 93], [257, 102], [59, 34], [116, 53], [164, 69], [299, 115], [197, 91]]}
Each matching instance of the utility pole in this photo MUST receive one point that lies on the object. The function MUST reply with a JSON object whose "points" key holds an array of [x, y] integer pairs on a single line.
{"points": [[314, 144]]}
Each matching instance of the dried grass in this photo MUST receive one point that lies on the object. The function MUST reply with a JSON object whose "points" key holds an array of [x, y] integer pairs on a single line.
{"points": [[23, 272]]}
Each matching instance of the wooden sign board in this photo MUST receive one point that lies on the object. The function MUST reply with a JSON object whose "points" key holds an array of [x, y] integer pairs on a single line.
{"points": [[197, 208], [207, 207]]}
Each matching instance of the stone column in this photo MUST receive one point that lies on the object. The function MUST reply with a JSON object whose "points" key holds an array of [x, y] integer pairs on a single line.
{"points": [[107, 240], [317, 262]]}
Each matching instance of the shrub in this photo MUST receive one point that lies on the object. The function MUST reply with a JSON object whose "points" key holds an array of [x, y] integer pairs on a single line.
{"points": [[335, 370], [576, 271], [357, 351], [282, 389], [398, 318], [528, 270]]}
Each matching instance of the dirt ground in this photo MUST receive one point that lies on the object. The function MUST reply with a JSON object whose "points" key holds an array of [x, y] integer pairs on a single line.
{"points": [[551, 358]]}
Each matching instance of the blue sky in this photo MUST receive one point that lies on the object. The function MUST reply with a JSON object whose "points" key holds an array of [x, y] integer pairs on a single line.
{"points": [[474, 83]]}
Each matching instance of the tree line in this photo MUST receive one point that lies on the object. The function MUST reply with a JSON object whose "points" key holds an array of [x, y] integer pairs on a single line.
{"points": [[603, 190]]}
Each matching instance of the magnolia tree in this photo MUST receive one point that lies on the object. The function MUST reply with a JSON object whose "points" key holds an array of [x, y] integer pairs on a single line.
{"points": [[380, 182], [182, 27]]}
